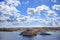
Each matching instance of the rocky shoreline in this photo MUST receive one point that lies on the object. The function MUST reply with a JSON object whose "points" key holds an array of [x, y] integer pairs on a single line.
{"points": [[40, 29]]}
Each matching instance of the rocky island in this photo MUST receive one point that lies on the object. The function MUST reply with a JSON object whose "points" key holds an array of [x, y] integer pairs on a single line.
{"points": [[28, 33]]}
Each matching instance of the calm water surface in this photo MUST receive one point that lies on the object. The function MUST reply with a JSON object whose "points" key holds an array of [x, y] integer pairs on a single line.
{"points": [[16, 36]]}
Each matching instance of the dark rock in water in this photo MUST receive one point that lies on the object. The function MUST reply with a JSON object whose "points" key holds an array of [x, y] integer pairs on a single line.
{"points": [[43, 33]]}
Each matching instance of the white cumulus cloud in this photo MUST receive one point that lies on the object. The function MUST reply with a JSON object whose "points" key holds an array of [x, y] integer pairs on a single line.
{"points": [[50, 20], [8, 11], [41, 8], [56, 7]]}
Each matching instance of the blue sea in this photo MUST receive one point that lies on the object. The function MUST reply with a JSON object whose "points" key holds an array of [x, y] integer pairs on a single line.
{"points": [[15, 36]]}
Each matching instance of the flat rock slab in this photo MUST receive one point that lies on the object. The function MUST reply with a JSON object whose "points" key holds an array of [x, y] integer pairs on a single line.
{"points": [[43, 33]]}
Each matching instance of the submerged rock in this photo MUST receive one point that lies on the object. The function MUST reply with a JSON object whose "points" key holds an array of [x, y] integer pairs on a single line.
{"points": [[43, 33]]}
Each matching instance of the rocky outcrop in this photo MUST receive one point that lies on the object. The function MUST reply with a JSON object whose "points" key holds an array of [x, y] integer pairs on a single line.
{"points": [[28, 33]]}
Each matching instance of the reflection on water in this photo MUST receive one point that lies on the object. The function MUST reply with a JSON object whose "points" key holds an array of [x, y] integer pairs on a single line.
{"points": [[16, 36]]}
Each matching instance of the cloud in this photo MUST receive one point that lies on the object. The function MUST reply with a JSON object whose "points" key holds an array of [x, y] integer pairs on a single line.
{"points": [[27, 19], [41, 8], [25, 2], [10, 16], [37, 10], [54, 1], [53, 22], [9, 12], [56, 7], [31, 10], [13, 2], [51, 15]]}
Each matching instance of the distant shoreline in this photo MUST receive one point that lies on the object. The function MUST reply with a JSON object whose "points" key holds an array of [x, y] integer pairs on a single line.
{"points": [[36, 28]]}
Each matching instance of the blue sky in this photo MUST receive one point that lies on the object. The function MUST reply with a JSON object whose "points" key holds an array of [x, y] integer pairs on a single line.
{"points": [[29, 13]]}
